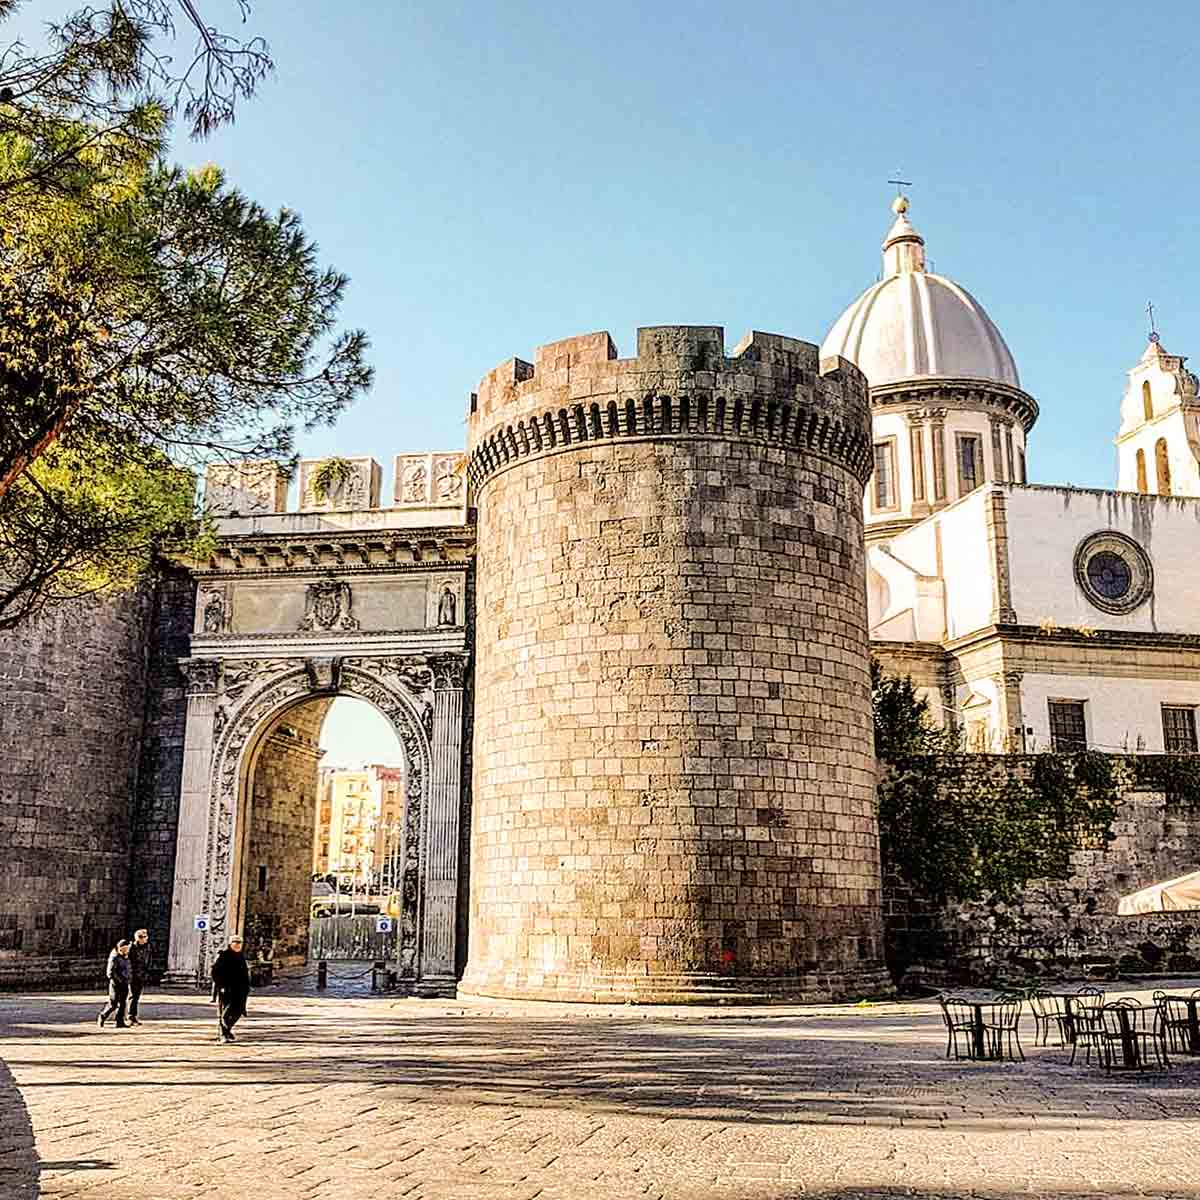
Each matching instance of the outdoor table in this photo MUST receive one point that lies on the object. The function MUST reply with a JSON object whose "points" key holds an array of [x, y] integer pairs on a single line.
{"points": [[1130, 1050], [978, 1032], [1193, 1003]]}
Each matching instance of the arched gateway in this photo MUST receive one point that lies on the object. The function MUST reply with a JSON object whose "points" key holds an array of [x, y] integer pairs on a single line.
{"points": [[293, 611]]}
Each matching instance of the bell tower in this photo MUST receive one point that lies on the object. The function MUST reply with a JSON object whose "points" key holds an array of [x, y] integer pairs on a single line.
{"points": [[1158, 444]]}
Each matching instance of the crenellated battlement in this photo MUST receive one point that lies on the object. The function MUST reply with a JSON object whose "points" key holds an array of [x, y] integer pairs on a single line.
{"points": [[771, 388]]}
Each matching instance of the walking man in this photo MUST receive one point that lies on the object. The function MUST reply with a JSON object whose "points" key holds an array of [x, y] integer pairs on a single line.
{"points": [[139, 965], [118, 973], [231, 987]]}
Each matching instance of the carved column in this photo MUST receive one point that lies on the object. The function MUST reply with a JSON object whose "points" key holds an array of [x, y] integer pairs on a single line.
{"points": [[440, 915], [183, 952]]}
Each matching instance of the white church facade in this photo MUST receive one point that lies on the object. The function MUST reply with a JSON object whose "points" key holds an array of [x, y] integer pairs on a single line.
{"points": [[1032, 617]]}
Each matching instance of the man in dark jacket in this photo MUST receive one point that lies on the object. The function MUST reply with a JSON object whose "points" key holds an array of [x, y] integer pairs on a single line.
{"points": [[231, 987], [118, 984], [139, 966]]}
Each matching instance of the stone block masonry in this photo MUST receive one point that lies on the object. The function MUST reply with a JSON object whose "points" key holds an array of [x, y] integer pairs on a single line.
{"points": [[673, 765], [72, 702]]}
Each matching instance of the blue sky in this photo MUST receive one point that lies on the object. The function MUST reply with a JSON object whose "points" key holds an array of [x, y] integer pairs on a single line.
{"points": [[495, 176]]}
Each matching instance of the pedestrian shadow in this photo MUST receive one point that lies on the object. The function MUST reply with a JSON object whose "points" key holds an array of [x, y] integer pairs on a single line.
{"points": [[19, 1167]]}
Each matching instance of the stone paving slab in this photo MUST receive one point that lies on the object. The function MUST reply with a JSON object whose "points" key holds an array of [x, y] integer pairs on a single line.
{"points": [[356, 1097]]}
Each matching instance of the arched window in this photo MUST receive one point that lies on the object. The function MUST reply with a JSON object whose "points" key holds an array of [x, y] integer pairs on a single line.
{"points": [[1142, 486], [1162, 467], [1147, 402]]}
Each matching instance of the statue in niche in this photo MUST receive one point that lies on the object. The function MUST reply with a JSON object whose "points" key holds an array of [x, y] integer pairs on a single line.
{"points": [[447, 607], [214, 613], [415, 481], [327, 606]]}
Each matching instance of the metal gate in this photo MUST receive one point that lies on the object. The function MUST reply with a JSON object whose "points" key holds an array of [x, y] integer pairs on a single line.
{"points": [[350, 937]]}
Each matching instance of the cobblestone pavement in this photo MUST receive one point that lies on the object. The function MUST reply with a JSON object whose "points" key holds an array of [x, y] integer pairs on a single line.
{"points": [[353, 1097]]}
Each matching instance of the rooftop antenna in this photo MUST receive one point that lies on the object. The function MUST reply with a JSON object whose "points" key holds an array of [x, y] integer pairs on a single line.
{"points": [[1150, 314]]}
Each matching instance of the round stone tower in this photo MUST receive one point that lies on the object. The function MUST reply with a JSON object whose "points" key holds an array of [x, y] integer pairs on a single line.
{"points": [[673, 765]]}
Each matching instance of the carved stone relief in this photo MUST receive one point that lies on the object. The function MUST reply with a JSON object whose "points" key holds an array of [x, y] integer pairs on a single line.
{"points": [[327, 605]]}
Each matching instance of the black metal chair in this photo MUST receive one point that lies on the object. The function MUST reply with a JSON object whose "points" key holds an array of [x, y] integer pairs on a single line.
{"points": [[1087, 1023], [1049, 1014], [1127, 1043], [1001, 1026], [959, 1016], [1176, 1022]]}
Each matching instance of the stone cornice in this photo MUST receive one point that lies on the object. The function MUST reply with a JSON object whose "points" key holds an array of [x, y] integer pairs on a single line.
{"points": [[339, 550], [355, 643], [1112, 639], [979, 395]]}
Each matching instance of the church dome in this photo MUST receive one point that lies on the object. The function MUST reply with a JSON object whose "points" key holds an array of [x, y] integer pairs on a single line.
{"points": [[916, 325]]}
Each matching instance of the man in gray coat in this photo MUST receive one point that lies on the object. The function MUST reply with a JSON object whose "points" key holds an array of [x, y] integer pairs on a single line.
{"points": [[118, 973]]}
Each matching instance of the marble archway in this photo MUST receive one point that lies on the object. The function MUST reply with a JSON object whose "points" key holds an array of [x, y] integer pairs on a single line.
{"points": [[232, 702]]}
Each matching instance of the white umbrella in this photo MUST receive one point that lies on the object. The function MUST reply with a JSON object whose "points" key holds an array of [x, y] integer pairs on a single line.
{"points": [[1171, 896]]}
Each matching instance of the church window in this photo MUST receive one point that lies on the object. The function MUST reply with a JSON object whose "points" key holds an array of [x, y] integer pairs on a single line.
{"points": [[917, 446], [1162, 467], [970, 463], [885, 475], [1110, 575], [1147, 402], [1142, 485], [1113, 572], [1068, 729], [1021, 467], [1179, 729], [1008, 451]]}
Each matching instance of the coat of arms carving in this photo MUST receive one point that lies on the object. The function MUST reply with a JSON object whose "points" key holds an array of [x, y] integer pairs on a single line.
{"points": [[327, 605]]}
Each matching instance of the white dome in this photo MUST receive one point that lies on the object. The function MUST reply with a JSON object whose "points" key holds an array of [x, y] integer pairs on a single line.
{"points": [[916, 325]]}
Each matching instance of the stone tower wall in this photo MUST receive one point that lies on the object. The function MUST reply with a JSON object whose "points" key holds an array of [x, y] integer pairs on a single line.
{"points": [[673, 774], [72, 704]]}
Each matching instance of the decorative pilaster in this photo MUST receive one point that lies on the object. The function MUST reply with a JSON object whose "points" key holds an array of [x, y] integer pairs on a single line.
{"points": [[916, 444], [185, 945], [997, 451], [937, 430], [1010, 716], [996, 518], [440, 916]]}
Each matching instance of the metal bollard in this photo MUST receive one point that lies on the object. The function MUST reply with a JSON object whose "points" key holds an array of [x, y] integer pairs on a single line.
{"points": [[322, 973], [378, 975]]}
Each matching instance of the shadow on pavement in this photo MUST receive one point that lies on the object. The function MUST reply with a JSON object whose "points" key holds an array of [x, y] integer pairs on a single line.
{"points": [[19, 1168], [839, 1070]]}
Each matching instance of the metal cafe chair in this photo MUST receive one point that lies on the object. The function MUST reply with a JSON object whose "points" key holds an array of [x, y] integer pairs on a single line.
{"points": [[1049, 1013], [1088, 1023], [959, 1016], [1176, 1022], [1002, 1026], [1127, 1043]]}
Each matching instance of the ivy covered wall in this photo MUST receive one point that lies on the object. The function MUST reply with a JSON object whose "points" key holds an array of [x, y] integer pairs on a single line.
{"points": [[1009, 868]]}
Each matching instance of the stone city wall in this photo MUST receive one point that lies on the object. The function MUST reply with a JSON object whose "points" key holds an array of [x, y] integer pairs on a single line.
{"points": [[673, 784], [72, 704], [156, 814], [1060, 928]]}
